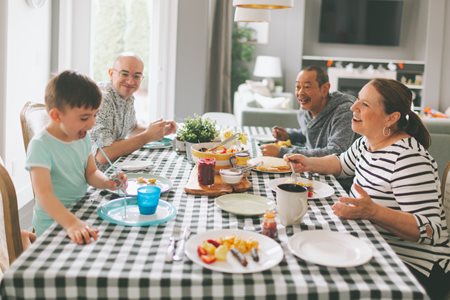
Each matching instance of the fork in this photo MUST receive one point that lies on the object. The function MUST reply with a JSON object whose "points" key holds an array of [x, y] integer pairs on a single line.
{"points": [[173, 244]]}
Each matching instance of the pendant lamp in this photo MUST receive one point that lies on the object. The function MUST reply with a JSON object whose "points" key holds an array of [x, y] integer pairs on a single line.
{"points": [[251, 15], [264, 4]]}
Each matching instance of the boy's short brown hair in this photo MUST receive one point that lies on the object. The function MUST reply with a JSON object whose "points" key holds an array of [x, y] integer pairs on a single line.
{"points": [[72, 89]]}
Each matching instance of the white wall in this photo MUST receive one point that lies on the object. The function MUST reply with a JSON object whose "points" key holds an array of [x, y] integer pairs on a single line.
{"points": [[192, 39], [286, 41], [27, 68], [445, 77]]}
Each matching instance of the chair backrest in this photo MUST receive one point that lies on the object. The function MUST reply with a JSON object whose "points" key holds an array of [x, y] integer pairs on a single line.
{"points": [[33, 117], [445, 188], [222, 119], [10, 238]]}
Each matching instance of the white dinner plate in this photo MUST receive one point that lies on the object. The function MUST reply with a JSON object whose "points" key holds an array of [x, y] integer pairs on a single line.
{"points": [[162, 182], [134, 165], [269, 162], [330, 248], [270, 252], [264, 138], [244, 204], [321, 190]]}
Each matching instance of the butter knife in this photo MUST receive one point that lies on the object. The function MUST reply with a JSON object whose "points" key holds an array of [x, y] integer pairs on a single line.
{"points": [[173, 244], [179, 251]]}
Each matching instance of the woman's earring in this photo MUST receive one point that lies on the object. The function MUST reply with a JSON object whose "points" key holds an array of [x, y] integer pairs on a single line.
{"points": [[386, 131]]}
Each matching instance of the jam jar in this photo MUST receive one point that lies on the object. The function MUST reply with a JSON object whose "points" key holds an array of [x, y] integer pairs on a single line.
{"points": [[206, 171], [269, 224]]}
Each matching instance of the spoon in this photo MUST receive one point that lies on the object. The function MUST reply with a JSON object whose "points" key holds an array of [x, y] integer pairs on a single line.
{"points": [[293, 174], [231, 138]]}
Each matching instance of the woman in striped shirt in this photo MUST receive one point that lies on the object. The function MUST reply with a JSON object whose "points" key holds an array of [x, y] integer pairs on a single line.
{"points": [[396, 184]]}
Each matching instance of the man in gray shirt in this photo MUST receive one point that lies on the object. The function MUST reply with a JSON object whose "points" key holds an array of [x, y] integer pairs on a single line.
{"points": [[324, 119]]}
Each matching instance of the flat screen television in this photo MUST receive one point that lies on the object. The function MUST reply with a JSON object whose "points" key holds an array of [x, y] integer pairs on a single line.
{"points": [[369, 22]]}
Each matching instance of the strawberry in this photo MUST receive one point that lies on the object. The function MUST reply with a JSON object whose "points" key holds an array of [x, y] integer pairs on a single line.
{"points": [[201, 251], [208, 259], [214, 243]]}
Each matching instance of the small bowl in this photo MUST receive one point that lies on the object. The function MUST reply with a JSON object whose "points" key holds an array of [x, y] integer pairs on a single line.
{"points": [[231, 176]]}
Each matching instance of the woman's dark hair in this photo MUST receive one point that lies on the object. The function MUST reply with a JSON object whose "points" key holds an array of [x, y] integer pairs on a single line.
{"points": [[72, 89], [398, 98]]}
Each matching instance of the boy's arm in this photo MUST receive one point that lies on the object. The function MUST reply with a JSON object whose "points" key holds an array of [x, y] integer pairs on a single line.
{"points": [[96, 178], [77, 230]]}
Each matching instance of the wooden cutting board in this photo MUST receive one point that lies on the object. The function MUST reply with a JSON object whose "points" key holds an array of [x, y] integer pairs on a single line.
{"points": [[217, 189]]}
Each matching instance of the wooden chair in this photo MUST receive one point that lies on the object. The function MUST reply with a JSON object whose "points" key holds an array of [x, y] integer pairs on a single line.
{"points": [[33, 117], [445, 188], [10, 235]]}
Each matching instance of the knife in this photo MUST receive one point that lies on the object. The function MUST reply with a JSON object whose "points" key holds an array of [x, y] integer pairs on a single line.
{"points": [[179, 251], [173, 244]]}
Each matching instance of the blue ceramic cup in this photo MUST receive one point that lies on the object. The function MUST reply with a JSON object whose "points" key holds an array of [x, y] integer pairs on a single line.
{"points": [[147, 199]]}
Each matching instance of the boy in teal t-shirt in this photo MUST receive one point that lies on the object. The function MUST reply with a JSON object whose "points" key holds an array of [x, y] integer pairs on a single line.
{"points": [[59, 158]]}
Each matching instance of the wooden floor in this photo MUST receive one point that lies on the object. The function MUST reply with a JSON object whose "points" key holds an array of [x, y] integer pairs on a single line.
{"points": [[26, 215]]}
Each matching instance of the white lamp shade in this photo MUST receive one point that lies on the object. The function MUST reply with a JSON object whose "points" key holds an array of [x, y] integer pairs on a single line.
{"points": [[251, 15], [267, 66], [265, 4]]}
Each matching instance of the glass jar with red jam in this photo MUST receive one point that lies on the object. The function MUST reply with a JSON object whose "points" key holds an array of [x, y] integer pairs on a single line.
{"points": [[269, 225], [206, 171]]}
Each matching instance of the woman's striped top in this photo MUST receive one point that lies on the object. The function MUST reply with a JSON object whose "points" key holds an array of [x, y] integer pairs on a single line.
{"points": [[403, 176]]}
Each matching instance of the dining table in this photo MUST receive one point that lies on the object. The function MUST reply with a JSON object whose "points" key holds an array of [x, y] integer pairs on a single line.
{"points": [[128, 262]]}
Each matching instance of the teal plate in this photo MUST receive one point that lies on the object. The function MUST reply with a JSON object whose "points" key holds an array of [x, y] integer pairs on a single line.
{"points": [[114, 212], [161, 144]]}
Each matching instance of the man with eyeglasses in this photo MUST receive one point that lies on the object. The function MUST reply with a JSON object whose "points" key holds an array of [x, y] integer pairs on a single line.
{"points": [[117, 130]]}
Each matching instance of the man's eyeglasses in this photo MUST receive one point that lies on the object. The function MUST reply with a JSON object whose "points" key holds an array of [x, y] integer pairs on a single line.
{"points": [[125, 75]]}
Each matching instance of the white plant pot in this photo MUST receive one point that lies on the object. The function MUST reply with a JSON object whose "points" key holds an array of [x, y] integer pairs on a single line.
{"points": [[179, 146]]}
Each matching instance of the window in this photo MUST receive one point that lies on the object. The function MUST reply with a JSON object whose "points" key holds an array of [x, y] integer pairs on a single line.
{"points": [[119, 26]]}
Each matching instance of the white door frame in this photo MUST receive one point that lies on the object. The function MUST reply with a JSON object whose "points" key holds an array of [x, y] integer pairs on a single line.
{"points": [[3, 35]]}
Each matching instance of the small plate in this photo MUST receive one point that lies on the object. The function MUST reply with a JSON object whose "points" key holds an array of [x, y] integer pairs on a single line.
{"points": [[113, 212], [330, 248], [164, 183], [269, 162], [134, 165], [264, 138], [321, 190], [270, 252], [243, 204], [161, 144]]}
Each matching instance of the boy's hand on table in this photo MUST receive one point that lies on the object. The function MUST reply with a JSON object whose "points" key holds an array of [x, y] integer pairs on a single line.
{"points": [[81, 233]]}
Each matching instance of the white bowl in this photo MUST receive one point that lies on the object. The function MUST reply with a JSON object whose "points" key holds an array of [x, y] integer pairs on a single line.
{"points": [[231, 176]]}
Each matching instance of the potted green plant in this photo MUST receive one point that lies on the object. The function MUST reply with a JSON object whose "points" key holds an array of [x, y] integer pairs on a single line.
{"points": [[197, 130]]}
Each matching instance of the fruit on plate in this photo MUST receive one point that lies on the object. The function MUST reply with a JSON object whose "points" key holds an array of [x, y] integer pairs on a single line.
{"points": [[212, 250], [143, 180]]}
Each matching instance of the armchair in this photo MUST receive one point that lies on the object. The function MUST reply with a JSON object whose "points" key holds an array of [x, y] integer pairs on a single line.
{"points": [[254, 106]]}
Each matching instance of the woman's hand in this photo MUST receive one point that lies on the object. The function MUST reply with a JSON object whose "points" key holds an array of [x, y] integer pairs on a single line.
{"points": [[362, 207], [299, 161], [80, 233]]}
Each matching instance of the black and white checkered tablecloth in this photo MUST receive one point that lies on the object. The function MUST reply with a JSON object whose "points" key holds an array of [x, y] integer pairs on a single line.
{"points": [[128, 262]]}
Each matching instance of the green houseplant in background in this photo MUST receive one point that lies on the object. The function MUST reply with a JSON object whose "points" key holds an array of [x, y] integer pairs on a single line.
{"points": [[241, 55], [196, 130]]}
